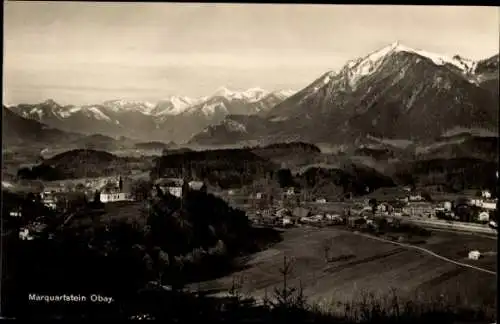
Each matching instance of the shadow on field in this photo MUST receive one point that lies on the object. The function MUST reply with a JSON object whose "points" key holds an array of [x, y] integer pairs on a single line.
{"points": [[345, 257], [364, 260]]}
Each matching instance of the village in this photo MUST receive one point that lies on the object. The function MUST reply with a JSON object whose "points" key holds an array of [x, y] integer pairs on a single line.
{"points": [[65, 198], [284, 207], [295, 207]]}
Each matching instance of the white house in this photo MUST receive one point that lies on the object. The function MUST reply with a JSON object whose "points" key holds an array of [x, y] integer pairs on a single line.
{"points": [[490, 205], [334, 217], [171, 185], [290, 191], [196, 185], [484, 216], [474, 255], [114, 193], [107, 197], [416, 197], [321, 201], [286, 221]]}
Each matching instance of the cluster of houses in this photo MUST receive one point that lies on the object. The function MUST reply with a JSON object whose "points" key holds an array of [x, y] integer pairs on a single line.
{"points": [[177, 186], [59, 194], [115, 189], [294, 216]]}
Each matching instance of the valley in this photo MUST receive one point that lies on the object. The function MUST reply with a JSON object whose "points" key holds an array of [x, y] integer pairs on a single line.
{"points": [[378, 177]]}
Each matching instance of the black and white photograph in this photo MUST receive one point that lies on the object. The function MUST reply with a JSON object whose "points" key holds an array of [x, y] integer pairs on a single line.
{"points": [[246, 162]]}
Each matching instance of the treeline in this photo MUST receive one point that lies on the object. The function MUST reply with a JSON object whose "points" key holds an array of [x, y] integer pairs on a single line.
{"points": [[82, 163], [452, 174], [229, 168], [341, 182], [297, 146]]}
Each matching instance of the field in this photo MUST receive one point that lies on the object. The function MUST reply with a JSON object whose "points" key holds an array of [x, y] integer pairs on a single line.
{"points": [[363, 265]]}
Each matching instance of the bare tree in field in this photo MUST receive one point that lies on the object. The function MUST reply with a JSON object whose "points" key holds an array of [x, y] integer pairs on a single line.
{"points": [[327, 247]]}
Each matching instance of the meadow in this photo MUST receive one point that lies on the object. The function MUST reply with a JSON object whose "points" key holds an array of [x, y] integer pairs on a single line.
{"points": [[360, 265]]}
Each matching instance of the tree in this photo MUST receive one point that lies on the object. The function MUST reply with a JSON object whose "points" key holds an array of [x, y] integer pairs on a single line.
{"points": [[97, 198], [162, 263], [141, 189], [285, 178], [24, 173], [373, 204], [426, 196], [326, 249]]}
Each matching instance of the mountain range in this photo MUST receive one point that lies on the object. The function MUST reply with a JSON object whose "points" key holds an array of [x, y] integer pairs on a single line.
{"points": [[173, 119], [395, 92]]}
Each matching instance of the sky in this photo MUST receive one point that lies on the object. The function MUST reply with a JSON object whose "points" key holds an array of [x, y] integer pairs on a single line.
{"points": [[83, 53]]}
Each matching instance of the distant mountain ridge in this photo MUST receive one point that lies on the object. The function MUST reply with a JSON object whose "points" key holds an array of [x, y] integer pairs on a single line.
{"points": [[395, 92], [172, 119], [17, 130]]}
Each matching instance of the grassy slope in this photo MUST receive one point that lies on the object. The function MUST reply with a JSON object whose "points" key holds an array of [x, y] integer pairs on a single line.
{"points": [[376, 267]]}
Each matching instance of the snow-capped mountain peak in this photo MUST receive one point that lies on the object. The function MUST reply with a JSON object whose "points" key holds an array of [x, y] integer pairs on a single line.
{"points": [[126, 105], [254, 94], [95, 112], [173, 105], [358, 68], [250, 95]]}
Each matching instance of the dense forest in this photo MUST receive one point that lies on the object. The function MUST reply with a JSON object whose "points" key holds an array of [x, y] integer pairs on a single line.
{"points": [[452, 174], [229, 168], [83, 163]]}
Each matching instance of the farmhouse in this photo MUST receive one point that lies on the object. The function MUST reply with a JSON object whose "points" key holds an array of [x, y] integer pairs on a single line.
{"points": [[419, 209], [197, 185], [488, 204], [116, 192], [474, 255], [484, 216], [108, 196], [287, 221], [415, 197], [171, 185]]}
